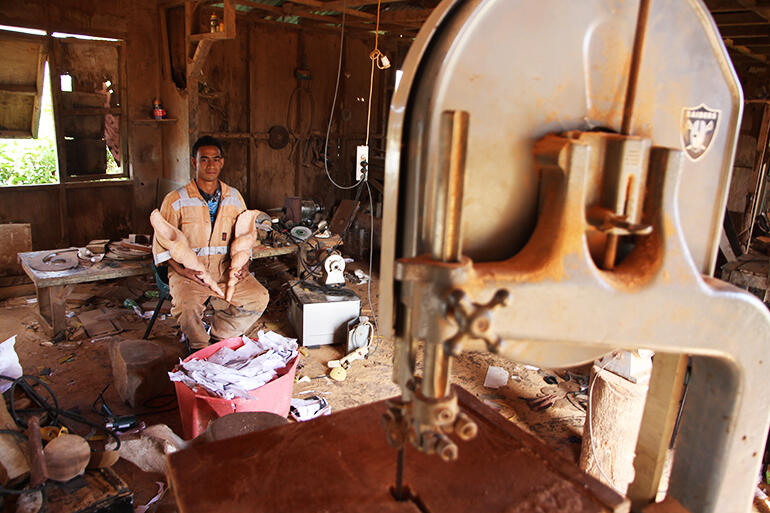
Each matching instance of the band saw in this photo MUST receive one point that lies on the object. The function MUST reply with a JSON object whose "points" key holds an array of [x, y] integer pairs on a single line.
{"points": [[556, 179]]}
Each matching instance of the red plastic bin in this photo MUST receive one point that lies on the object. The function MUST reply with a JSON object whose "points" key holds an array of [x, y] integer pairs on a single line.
{"points": [[198, 409]]}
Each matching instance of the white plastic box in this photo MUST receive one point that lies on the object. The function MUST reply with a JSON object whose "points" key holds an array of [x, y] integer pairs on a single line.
{"points": [[320, 318]]}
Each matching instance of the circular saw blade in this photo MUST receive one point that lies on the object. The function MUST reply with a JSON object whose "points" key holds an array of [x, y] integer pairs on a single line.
{"points": [[301, 232]]}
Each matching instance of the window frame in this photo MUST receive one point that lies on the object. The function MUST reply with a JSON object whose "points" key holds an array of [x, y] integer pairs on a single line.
{"points": [[58, 110]]}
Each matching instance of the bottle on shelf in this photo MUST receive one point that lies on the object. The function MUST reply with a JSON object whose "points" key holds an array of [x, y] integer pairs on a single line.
{"points": [[158, 112]]}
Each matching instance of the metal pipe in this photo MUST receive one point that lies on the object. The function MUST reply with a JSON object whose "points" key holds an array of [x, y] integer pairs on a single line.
{"points": [[636, 61], [453, 146]]}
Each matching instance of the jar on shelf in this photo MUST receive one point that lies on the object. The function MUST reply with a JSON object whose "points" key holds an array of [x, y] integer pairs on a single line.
{"points": [[158, 112]]}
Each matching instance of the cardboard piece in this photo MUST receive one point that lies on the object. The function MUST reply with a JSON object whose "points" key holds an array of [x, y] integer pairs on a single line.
{"points": [[100, 321]]}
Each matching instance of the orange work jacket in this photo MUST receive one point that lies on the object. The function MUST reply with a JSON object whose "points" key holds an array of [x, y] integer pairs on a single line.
{"points": [[186, 209]]}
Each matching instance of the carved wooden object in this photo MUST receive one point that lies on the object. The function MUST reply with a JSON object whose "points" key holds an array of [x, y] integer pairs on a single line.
{"points": [[173, 240], [244, 238]]}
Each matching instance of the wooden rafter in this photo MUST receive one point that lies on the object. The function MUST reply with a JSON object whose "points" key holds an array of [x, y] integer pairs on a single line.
{"points": [[347, 10], [336, 4], [745, 51]]}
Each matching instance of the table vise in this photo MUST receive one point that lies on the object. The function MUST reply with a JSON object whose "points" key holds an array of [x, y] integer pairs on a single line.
{"points": [[556, 179]]}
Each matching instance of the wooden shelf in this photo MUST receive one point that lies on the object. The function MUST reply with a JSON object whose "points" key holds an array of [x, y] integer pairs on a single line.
{"points": [[212, 36], [152, 121]]}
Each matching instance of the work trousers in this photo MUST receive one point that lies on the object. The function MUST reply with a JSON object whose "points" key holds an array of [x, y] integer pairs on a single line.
{"points": [[230, 319]]}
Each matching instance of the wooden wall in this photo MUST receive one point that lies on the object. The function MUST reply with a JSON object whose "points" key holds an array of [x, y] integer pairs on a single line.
{"points": [[249, 85], [96, 210]]}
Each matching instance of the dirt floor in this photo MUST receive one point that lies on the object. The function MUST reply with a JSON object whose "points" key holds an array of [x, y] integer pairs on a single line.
{"points": [[77, 370]]}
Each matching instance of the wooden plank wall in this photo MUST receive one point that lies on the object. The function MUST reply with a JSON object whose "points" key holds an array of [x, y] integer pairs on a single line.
{"points": [[249, 85]]}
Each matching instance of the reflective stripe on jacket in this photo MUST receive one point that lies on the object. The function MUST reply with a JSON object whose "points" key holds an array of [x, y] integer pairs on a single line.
{"points": [[186, 209]]}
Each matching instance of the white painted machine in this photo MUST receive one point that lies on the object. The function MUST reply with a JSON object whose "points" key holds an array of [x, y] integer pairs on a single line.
{"points": [[556, 179]]}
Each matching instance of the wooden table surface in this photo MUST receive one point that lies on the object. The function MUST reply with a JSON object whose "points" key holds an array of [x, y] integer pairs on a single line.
{"points": [[84, 272], [53, 286]]}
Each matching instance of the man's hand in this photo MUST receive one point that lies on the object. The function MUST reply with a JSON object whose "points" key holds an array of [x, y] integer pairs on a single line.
{"points": [[187, 273], [243, 271]]}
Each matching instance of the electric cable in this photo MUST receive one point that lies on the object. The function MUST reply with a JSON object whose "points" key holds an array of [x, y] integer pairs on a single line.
{"points": [[365, 178], [369, 282], [334, 104], [54, 412], [590, 425]]}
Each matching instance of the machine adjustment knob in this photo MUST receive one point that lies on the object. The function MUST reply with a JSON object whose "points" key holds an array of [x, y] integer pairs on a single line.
{"points": [[446, 448], [465, 428], [473, 320]]}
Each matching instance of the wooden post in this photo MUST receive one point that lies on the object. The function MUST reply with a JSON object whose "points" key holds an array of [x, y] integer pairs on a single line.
{"points": [[617, 405], [660, 411]]}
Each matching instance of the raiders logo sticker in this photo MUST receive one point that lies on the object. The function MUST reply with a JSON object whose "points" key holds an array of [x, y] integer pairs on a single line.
{"points": [[698, 129]]}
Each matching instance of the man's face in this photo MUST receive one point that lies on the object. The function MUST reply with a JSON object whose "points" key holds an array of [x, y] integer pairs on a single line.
{"points": [[208, 163]]}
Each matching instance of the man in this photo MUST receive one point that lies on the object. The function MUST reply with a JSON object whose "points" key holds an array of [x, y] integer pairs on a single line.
{"points": [[205, 211]]}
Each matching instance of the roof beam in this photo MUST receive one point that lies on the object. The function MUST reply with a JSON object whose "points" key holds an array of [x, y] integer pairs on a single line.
{"points": [[746, 52], [338, 4], [405, 16], [735, 32], [752, 6], [346, 10]]}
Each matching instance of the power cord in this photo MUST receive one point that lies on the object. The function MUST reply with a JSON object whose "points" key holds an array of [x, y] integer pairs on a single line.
{"points": [[53, 413], [365, 178], [334, 104]]}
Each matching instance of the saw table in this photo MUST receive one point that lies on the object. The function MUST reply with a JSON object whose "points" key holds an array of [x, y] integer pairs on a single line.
{"points": [[342, 463]]}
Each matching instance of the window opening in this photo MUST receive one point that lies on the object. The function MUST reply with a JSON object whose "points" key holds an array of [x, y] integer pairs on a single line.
{"points": [[32, 161], [66, 83]]}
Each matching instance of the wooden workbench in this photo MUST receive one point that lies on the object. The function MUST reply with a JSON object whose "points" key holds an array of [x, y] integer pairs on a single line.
{"points": [[53, 286]]}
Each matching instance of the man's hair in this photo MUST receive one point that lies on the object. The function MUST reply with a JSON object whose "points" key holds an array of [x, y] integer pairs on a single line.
{"points": [[207, 140]]}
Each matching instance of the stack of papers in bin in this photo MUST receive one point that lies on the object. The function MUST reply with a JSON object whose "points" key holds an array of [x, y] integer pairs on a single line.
{"points": [[231, 373]]}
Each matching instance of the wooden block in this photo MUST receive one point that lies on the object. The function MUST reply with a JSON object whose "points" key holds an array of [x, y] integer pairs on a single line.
{"points": [[144, 248], [13, 450], [239, 423], [66, 457], [614, 437], [98, 246], [17, 238], [140, 370]]}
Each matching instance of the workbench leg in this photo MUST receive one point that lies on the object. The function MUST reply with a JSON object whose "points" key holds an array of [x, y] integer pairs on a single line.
{"points": [[52, 309], [660, 411]]}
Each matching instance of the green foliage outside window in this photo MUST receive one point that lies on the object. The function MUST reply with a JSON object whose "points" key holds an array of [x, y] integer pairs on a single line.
{"points": [[22, 163], [32, 161]]}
